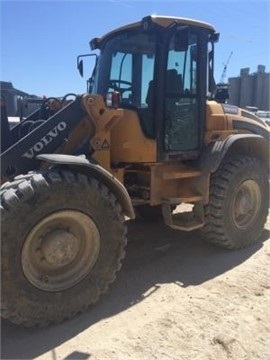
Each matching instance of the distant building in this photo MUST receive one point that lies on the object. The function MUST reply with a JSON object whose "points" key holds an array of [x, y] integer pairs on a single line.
{"points": [[251, 89], [10, 96], [18, 103]]}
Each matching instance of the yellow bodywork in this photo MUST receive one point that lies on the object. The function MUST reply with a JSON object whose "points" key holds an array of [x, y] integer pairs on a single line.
{"points": [[121, 147], [117, 136], [216, 127], [129, 144]]}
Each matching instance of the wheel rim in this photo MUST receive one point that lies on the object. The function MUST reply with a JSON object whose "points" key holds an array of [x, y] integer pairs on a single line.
{"points": [[246, 204], [60, 250]]}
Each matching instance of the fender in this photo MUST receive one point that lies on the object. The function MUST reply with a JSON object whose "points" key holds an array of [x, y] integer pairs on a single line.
{"points": [[249, 144], [98, 172], [209, 162]]}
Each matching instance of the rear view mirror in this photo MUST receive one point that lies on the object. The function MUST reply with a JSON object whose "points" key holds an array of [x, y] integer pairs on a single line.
{"points": [[80, 61], [80, 67]]}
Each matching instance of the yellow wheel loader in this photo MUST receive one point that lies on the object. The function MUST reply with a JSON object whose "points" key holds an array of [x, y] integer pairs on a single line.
{"points": [[149, 134]]}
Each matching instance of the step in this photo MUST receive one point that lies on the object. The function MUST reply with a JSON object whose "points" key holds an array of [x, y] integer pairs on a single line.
{"points": [[185, 221], [184, 174], [187, 198]]}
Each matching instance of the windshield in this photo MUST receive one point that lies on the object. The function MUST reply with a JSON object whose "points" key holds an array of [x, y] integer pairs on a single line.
{"points": [[126, 64]]}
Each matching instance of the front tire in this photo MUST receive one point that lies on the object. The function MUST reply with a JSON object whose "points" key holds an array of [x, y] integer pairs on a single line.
{"points": [[63, 239], [238, 203]]}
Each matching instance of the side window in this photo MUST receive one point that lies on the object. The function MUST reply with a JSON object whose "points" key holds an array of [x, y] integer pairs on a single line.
{"points": [[211, 86], [127, 65], [185, 65], [121, 74], [192, 68], [147, 79], [133, 91]]}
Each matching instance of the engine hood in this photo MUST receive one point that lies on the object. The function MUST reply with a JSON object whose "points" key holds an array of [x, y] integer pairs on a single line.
{"points": [[244, 121]]}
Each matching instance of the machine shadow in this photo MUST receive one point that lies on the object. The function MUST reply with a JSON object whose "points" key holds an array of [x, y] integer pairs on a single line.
{"points": [[155, 255]]}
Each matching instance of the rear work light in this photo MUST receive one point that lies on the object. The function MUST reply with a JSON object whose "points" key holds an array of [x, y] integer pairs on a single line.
{"points": [[113, 99]]}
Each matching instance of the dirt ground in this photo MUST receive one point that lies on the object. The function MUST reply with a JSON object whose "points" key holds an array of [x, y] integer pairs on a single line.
{"points": [[175, 298]]}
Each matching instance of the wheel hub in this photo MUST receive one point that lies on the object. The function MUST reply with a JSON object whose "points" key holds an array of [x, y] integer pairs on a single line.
{"points": [[60, 250], [247, 202], [59, 247]]}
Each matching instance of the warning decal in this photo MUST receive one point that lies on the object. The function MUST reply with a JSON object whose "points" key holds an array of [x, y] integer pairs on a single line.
{"points": [[105, 144]]}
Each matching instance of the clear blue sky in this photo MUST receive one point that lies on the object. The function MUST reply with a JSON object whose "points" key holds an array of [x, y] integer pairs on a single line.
{"points": [[40, 40]]}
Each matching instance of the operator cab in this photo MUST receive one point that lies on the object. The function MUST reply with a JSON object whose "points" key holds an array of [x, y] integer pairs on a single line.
{"points": [[163, 69]]}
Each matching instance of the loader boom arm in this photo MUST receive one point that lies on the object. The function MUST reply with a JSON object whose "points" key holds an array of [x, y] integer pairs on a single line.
{"points": [[48, 137]]}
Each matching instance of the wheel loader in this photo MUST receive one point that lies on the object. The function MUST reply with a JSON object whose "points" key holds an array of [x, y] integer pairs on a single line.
{"points": [[148, 135]]}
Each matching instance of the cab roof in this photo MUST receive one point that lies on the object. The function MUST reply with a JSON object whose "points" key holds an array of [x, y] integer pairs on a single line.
{"points": [[160, 20]]}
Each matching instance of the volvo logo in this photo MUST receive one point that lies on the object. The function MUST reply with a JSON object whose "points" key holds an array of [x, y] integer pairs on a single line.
{"points": [[45, 140]]}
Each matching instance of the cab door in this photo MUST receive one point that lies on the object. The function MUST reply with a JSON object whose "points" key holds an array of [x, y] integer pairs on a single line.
{"points": [[183, 108]]}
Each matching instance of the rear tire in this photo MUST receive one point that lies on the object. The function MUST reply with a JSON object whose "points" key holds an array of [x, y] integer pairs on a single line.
{"points": [[63, 239], [238, 204]]}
